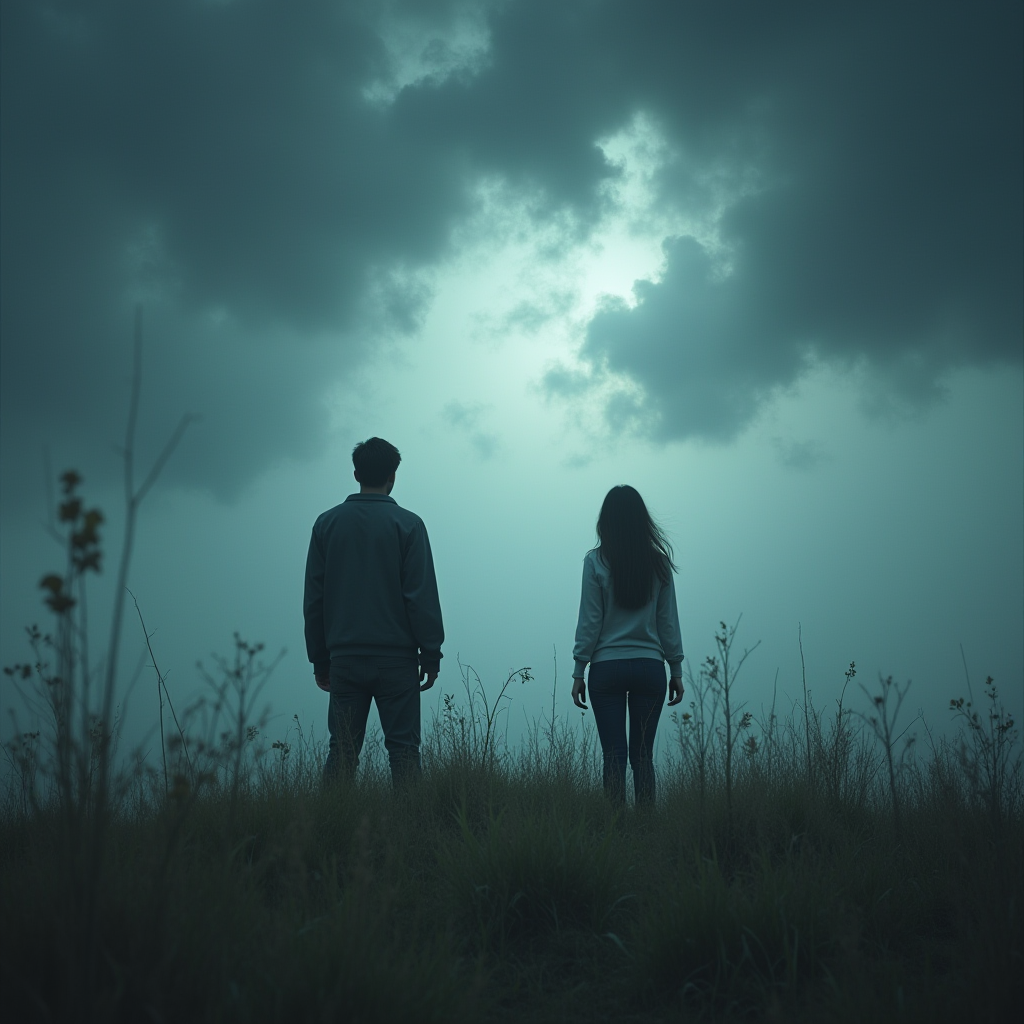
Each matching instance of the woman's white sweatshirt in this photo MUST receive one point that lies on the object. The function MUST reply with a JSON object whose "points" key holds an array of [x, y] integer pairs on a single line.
{"points": [[606, 631]]}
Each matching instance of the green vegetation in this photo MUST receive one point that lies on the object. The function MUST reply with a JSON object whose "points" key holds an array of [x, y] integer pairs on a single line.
{"points": [[505, 887]]}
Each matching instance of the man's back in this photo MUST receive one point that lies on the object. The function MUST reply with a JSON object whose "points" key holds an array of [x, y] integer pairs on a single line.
{"points": [[370, 585], [372, 612]]}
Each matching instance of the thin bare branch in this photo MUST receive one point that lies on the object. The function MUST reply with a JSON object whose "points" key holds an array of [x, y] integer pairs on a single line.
{"points": [[963, 658], [163, 693], [133, 409], [165, 454]]}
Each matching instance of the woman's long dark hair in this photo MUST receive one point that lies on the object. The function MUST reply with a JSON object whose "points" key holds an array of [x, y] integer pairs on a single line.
{"points": [[632, 546]]}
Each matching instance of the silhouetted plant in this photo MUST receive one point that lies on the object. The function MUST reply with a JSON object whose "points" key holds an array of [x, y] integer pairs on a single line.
{"points": [[473, 734], [21, 752], [722, 673], [60, 679], [163, 695], [695, 731], [231, 730], [837, 747], [887, 703], [986, 752], [807, 706], [767, 752]]}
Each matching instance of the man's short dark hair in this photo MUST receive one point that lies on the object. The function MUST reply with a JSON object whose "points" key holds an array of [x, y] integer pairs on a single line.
{"points": [[375, 460]]}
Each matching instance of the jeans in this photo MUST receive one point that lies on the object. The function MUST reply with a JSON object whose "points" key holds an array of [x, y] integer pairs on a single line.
{"points": [[639, 683], [393, 682]]}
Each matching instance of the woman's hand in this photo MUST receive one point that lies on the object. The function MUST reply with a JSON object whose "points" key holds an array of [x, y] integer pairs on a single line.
{"points": [[675, 690], [579, 693]]}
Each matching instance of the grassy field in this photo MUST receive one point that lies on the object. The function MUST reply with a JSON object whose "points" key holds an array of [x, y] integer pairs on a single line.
{"points": [[811, 868]]}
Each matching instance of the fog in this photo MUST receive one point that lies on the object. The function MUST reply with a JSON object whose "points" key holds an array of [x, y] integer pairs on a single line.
{"points": [[698, 250]]}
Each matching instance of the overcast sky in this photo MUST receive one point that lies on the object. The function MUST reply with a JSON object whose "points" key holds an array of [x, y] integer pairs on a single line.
{"points": [[761, 261]]}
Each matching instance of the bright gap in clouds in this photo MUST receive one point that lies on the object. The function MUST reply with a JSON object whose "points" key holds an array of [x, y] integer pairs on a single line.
{"points": [[514, 302], [418, 52]]}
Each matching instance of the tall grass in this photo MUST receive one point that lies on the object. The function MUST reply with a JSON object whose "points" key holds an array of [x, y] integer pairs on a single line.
{"points": [[504, 886]]}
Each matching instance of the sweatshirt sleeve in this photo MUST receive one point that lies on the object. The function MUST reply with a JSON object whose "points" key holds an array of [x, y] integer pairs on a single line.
{"points": [[588, 626], [313, 608], [422, 605], [668, 627]]}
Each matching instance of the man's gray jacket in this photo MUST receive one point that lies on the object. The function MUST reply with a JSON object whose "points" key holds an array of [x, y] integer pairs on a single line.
{"points": [[370, 586]]}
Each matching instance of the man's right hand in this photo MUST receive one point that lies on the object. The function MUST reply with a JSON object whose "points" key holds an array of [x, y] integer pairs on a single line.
{"points": [[430, 677]]}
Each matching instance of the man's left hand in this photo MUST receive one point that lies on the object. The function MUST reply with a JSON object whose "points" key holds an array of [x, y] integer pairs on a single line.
{"points": [[430, 677], [324, 682]]}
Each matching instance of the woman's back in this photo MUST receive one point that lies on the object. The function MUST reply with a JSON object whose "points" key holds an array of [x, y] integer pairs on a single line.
{"points": [[628, 628], [606, 630]]}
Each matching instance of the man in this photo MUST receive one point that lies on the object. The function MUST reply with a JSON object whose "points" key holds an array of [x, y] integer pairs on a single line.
{"points": [[373, 619]]}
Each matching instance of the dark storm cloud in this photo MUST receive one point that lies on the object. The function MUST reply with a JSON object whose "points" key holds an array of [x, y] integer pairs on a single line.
{"points": [[221, 162], [879, 222]]}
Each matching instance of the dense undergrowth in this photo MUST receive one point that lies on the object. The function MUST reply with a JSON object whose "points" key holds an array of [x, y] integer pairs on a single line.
{"points": [[505, 887]]}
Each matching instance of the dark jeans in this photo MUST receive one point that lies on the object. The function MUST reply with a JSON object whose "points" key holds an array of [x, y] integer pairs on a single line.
{"points": [[393, 682], [640, 684]]}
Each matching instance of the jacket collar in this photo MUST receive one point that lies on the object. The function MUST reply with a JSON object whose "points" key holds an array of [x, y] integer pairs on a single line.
{"points": [[371, 497]]}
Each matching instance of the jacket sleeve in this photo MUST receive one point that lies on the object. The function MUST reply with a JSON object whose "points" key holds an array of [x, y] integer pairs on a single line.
{"points": [[668, 627], [313, 608], [591, 618], [422, 605]]}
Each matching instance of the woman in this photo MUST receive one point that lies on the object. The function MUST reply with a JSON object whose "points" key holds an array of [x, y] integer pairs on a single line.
{"points": [[628, 628]]}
